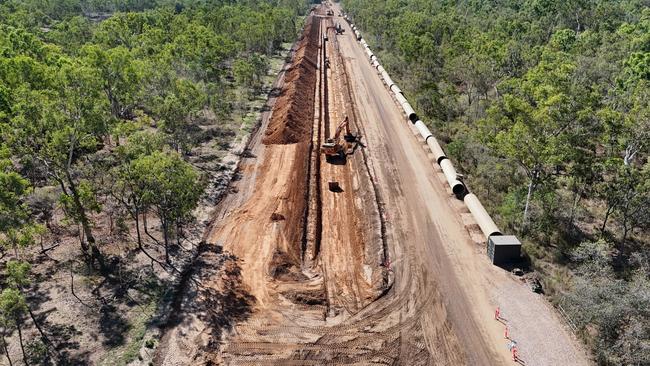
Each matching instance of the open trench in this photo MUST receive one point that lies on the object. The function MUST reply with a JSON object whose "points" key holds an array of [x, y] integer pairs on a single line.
{"points": [[311, 266], [380, 272]]}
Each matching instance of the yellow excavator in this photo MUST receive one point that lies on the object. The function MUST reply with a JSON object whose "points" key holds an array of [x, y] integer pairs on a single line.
{"points": [[337, 146]]}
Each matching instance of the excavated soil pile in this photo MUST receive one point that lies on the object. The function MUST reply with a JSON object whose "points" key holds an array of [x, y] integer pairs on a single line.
{"points": [[293, 112]]}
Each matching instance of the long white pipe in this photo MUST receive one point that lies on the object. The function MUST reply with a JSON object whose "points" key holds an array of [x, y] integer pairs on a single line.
{"points": [[431, 141], [410, 112], [452, 177], [481, 216], [435, 148], [400, 99], [387, 79], [395, 89], [422, 129]]}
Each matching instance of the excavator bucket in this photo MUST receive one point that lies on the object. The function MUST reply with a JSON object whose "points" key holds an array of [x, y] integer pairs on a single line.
{"points": [[334, 186]]}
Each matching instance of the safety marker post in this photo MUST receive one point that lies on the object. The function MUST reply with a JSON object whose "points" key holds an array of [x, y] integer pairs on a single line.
{"points": [[514, 353], [497, 314], [506, 333]]}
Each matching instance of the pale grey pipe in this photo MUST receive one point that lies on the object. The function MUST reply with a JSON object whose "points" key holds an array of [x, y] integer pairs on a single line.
{"points": [[435, 148], [422, 129], [452, 177], [387, 79], [481, 216], [410, 112], [400, 99], [395, 89], [431, 141]]}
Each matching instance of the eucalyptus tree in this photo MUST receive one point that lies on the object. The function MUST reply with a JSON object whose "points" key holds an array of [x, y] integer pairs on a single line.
{"points": [[54, 129], [170, 186]]}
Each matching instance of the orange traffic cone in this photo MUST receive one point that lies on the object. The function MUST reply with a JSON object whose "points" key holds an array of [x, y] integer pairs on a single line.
{"points": [[497, 314]]}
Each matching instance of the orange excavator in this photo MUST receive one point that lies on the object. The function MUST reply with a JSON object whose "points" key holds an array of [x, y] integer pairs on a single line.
{"points": [[337, 146]]}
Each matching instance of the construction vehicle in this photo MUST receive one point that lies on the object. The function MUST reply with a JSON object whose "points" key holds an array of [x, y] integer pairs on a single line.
{"points": [[339, 29], [337, 146], [330, 12]]}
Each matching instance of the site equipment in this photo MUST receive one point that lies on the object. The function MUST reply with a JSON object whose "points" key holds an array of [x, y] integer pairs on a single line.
{"points": [[503, 249], [337, 146], [334, 186]]}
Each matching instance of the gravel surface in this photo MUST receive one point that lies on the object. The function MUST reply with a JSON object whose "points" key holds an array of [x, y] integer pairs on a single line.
{"points": [[533, 325]]}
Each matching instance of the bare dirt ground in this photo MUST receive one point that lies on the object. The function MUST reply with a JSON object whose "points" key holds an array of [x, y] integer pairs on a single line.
{"points": [[382, 271]]}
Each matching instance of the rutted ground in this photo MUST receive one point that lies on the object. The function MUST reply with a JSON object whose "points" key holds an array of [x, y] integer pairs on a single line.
{"points": [[294, 273]]}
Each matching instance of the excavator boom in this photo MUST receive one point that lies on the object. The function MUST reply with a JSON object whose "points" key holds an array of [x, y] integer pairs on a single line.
{"points": [[336, 145]]}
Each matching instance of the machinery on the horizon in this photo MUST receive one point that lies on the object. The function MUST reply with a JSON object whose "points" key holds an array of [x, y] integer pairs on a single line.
{"points": [[337, 146]]}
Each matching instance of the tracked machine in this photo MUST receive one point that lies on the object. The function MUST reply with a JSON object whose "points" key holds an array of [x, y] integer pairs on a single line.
{"points": [[337, 146]]}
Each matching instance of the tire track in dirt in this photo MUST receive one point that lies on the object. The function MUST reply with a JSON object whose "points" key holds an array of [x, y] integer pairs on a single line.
{"points": [[294, 243]]}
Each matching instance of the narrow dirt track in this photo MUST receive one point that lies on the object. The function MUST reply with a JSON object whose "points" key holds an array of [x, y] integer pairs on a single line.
{"points": [[382, 272]]}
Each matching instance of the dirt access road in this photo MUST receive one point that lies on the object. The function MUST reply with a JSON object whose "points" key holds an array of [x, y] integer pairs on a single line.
{"points": [[382, 271]]}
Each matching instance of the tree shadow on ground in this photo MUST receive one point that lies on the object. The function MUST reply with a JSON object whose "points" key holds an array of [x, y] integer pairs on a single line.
{"points": [[64, 339], [227, 303], [212, 290], [113, 326]]}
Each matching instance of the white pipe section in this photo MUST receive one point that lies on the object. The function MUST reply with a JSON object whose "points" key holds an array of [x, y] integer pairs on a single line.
{"points": [[435, 148], [410, 112], [422, 129], [375, 63], [400, 99], [452, 177], [381, 69], [431, 141], [369, 53], [483, 219], [387, 79], [395, 89]]}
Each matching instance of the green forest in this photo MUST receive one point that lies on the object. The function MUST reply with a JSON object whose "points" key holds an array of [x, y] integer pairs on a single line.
{"points": [[103, 105], [115, 117], [544, 107]]}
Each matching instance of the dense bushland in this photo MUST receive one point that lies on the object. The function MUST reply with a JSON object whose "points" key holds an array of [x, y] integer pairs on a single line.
{"points": [[102, 104], [544, 106]]}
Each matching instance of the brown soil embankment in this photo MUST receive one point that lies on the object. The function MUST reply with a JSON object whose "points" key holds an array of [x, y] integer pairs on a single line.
{"points": [[293, 112]]}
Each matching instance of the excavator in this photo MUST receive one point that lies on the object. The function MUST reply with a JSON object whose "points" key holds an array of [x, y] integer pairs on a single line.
{"points": [[337, 146]]}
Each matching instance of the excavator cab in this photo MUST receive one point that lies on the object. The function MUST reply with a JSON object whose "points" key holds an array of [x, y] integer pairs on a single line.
{"points": [[337, 146]]}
